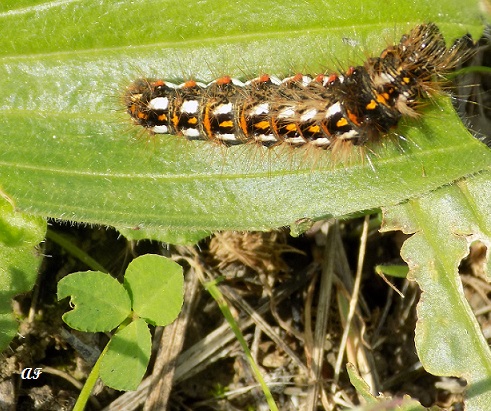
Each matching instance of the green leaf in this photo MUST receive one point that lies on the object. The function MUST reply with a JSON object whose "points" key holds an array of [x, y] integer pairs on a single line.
{"points": [[172, 236], [399, 271], [126, 360], [19, 261], [381, 402], [360, 385], [101, 302], [8, 326], [67, 149], [19, 234], [156, 287], [448, 338]]}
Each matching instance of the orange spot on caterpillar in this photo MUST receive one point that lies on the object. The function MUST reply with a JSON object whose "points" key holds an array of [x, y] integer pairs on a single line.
{"points": [[226, 124], [353, 118], [263, 125]]}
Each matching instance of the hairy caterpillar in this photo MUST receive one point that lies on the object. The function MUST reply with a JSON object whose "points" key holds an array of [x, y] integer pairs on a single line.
{"points": [[359, 106]]}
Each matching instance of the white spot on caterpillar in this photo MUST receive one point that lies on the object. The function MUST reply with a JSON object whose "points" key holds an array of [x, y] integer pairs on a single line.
{"points": [[308, 115], [190, 106], [160, 129], [159, 103], [321, 142], [223, 109], [190, 132], [348, 135], [295, 140], [386, 78], [262, 108], [226, 137], [287, 112], [306, 80], [333, 109], [171, 85], [236, 82], [266, 138]]}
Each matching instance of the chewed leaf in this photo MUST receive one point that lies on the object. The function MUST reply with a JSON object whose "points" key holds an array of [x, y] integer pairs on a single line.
{"points": [[448, 338], [100, 302]]}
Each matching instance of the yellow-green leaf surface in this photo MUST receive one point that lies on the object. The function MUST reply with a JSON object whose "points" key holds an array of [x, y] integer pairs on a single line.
{"points": [[445, 222], [68, 150], [126, 359], [156, 287]]}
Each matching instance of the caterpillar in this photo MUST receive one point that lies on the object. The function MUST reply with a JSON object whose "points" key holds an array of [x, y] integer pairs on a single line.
{"points": [[324, 111]]}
